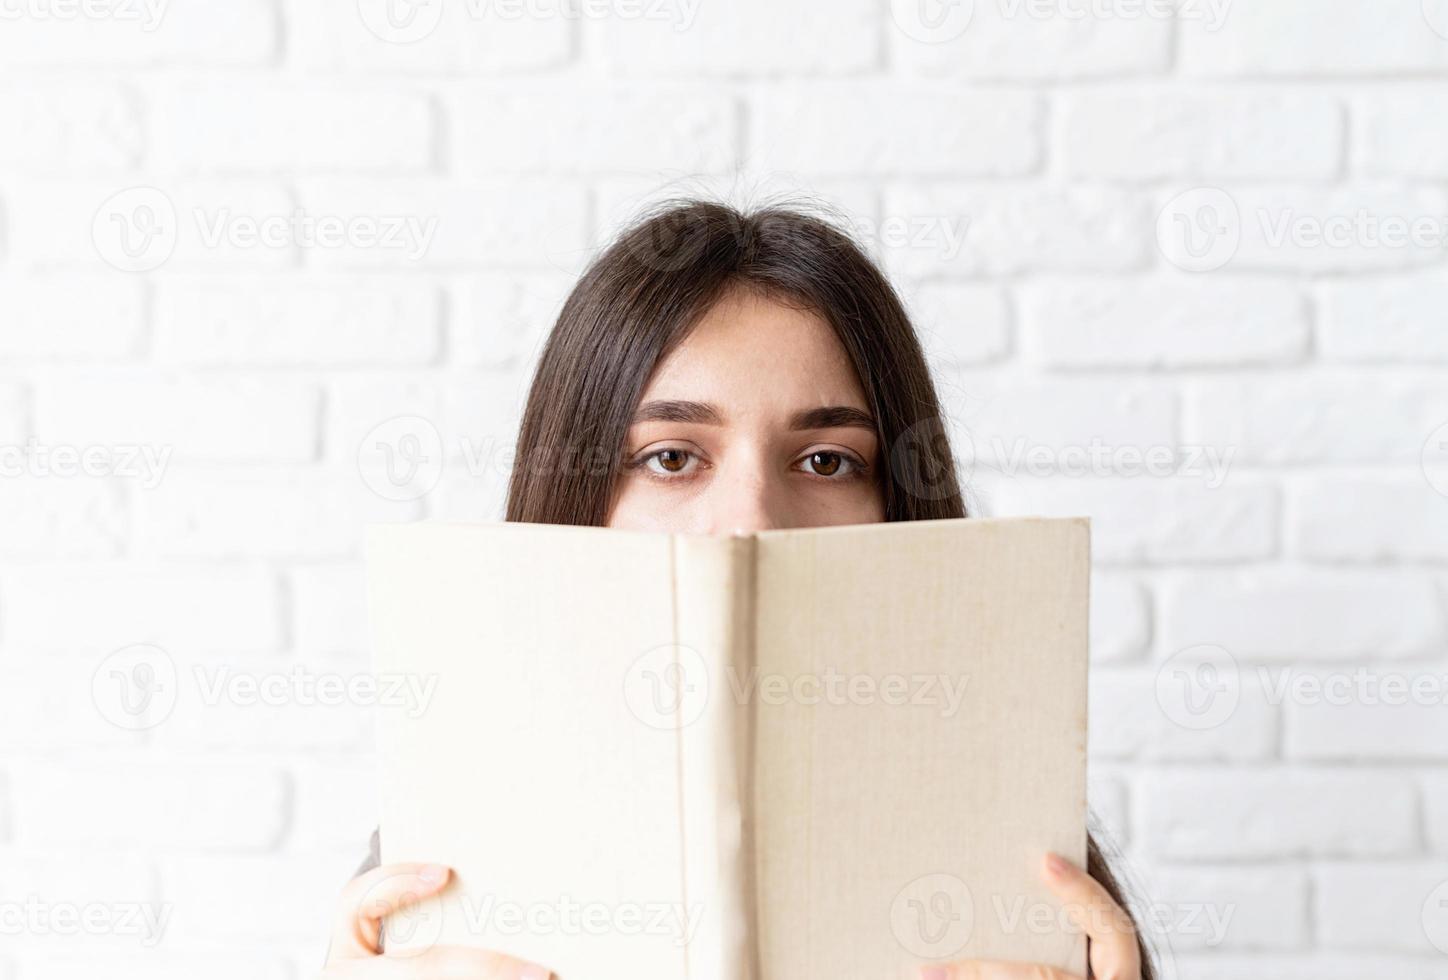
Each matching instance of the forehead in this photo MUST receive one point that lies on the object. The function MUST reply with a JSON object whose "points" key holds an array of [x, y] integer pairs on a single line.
{"points": [[752, 352]]}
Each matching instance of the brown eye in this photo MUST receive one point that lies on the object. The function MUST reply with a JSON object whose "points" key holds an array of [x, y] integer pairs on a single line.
{"points": [[672, 460], [826, 464]]}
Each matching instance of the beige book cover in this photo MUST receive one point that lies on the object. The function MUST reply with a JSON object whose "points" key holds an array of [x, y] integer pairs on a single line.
{"points": [[829, 752]]}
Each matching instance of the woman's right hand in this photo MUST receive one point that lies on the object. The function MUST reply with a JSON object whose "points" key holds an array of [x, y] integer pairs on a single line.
{"points": [[356, 952]]}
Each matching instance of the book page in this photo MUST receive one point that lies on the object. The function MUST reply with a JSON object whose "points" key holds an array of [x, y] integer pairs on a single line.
{"points": [[920, 743]]}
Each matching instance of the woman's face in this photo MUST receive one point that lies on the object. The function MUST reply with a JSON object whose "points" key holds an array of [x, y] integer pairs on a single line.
{"points": [[755, 421]]}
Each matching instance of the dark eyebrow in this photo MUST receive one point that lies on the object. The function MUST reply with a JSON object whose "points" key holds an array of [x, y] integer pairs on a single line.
{"points": [[695, 413], [832, 417]]}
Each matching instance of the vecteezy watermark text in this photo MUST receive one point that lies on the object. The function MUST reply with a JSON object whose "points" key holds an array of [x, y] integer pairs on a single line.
{"points": [[133, 462]]}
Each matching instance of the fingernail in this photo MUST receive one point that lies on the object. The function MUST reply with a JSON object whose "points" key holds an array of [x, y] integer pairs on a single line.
{"points": [[934, 973], [532, 971], [1056, 864], [433, 874]]}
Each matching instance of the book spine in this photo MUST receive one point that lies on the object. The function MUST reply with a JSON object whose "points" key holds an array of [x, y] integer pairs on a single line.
{"points": [[714, 590]]}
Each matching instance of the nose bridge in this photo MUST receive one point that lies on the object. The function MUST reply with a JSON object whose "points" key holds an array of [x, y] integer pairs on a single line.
{"points": [[750, 497]]}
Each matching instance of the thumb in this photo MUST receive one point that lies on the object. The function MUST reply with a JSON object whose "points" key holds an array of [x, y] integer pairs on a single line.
{"points": [[370, 898]]}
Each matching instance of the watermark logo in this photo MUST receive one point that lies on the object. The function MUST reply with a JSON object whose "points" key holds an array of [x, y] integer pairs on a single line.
{"points": [[933, 916], [1365, 686], [921, 461], [667, 687], [568, 916], [145, 464], [147, 13], [139, 687], [400, 21], [1200, 230], [1435, 459], [1435, 918], [415, 927], [1199, 688], [1435, 14], [31, 916], [410, 693], [136, 687], [401, 459], [1099, 459], [932, 21], [135, 230]]}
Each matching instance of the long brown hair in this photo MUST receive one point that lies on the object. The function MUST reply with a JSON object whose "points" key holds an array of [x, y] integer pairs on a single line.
{"points": [[644, 293]]}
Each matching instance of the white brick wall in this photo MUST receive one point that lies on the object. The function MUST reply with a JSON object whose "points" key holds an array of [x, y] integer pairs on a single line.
{"points": [[1022, 175]]}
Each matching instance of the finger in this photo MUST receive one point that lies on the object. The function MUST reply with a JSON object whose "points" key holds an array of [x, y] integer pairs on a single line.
{"points": [[992, 970], [1114, 952], [368, 899]]}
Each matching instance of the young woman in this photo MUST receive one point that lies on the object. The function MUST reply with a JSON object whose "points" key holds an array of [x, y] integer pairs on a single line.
{"points": [[715, 372]]}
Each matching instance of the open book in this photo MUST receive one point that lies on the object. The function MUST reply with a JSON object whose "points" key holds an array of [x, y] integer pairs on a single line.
{"points": [[832, 752]]}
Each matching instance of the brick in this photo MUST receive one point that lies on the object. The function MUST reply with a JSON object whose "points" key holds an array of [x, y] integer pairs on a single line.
{"points": [[516, 223], [1304, 614], [1372, 712], [1383, 321], [1128, 722], [1381, 907], [1091, 229], [69, 127], [254, 898], [329, 608], [157, 806], [1002, 417], [1120, 619], [862, 127], [1024, 40], [14, 414], [1220, 909], [959, 323], [1435, 803], [744, 38], [1369, 520], [603, 129], [1362, 37], [268, 513], [1092, 324], [59, 517], [1135, 134], [101, 608], [211, 127], [1390, 139], [1263, 814], [131, 35], [337, 806], [47, 707], [241, 418], [272, 705], [502, 319], [267, 322], [474, 415], [1145, 519], [1336, 417], [140, 226], [72, 319], [334, 36], [1106, 797]]}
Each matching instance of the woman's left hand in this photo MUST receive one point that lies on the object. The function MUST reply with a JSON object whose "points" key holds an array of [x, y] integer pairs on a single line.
{"points": [[1113, 949]]}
